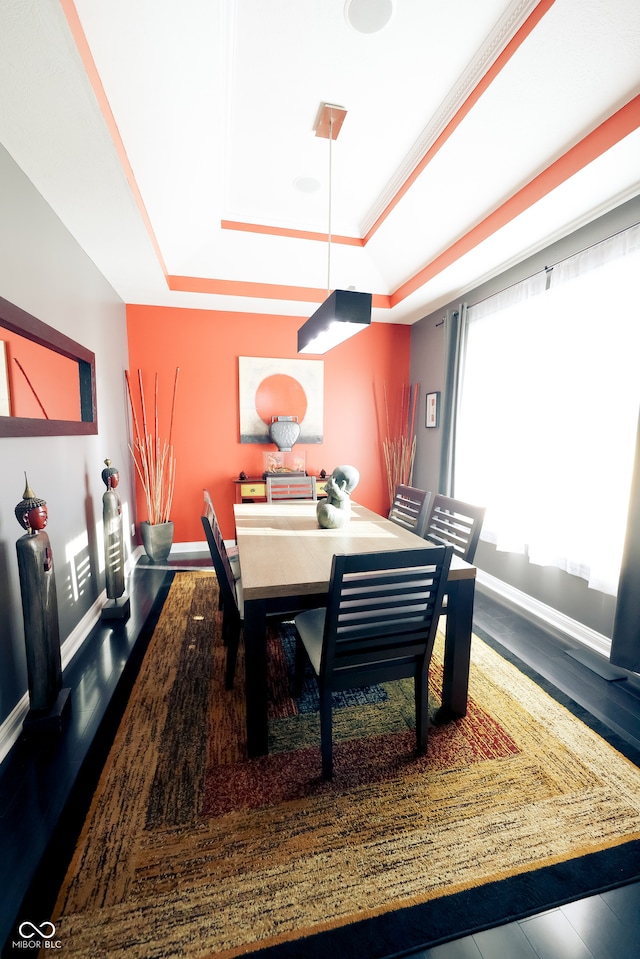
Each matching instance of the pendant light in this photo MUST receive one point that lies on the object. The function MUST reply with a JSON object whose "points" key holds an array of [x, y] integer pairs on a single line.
{"points": [[344, 312]]}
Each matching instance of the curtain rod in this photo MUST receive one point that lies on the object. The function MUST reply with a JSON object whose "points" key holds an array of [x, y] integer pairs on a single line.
{"points": [[548, 269]]}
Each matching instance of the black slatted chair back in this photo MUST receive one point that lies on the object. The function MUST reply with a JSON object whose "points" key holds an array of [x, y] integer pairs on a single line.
{"points": [[282, 488], [455, 523], [230, 588], [410, 508], [379, 625]]}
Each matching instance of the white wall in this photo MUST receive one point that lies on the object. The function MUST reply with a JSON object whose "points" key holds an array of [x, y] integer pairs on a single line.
{"points": [[45, 272]]}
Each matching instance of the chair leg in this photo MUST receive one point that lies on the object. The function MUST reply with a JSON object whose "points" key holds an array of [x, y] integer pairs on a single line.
{"points": [[326, 733], [422, 711], [233, 642], [299, 667], [220, 599], [225, 626]]}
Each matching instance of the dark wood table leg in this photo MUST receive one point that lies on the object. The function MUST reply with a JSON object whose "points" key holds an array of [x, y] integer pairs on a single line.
{"points": [[255, 655], [457, 650]]}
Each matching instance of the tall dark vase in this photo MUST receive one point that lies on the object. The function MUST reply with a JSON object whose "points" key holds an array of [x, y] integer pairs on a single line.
{"points": [[157, 540]]}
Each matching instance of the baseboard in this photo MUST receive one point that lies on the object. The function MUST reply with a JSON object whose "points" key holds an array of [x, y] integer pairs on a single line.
{"points": [[12, 726], [75, 639], [547, 615]]}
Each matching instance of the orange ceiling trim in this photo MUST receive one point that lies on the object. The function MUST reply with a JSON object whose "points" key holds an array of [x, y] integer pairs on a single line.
{"points": [[605, 136], [293, 234], [82, 46], [516, 41], [267, 291], [381, 301]]}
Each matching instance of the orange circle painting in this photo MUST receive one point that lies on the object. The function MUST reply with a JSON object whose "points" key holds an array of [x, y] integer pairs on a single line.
{"points": [[280, 395], [269, 386]]}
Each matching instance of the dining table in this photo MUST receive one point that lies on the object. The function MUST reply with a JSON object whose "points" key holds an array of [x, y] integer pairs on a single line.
{"points": [[285, 561]]}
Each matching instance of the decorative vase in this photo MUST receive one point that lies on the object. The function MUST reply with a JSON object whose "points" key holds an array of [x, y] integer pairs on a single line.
{"points": [[284, 431], [157, 539]]}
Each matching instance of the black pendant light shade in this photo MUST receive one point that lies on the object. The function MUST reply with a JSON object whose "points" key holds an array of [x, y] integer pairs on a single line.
{"points": [[342, 314]]}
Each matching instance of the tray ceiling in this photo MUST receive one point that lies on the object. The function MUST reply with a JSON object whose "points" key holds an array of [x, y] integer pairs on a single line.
{"points": [[176, 141]]}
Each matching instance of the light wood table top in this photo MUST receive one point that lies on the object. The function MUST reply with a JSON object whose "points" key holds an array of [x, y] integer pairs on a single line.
{"points": [[283, 551], [286, 559]]}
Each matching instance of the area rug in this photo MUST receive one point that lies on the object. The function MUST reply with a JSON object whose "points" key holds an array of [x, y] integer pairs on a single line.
{"points": [[190, 849]]}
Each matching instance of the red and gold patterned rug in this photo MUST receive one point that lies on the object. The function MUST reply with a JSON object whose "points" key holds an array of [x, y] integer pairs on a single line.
{"points": [[190, 849]]}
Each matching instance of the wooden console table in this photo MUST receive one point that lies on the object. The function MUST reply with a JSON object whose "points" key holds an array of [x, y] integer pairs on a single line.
{"points": [[254, 489]]}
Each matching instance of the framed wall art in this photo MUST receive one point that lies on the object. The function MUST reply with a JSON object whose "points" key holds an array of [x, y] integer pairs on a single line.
{"points": [[280, 387], [5, 408], [432, 416]]}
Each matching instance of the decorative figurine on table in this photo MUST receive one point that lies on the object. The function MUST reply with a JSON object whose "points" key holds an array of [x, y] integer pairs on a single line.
{"points": [[117, 605], [335, 510], [47, 698]]}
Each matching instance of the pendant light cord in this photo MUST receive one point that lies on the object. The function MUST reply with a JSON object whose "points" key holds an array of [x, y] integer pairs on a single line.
{"points": [[330, 192]]}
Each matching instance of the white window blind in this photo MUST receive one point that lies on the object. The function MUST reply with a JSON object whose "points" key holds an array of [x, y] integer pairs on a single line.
{"points": [[550, 391]]}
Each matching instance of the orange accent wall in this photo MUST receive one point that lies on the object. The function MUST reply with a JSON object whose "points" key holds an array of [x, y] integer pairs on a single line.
{"points": [[206, 344]]}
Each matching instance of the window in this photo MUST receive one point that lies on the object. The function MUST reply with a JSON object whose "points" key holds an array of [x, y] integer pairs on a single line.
{"points": [[548, 411]]}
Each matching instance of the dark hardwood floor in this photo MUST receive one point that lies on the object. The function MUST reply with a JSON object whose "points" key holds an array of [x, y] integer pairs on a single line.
{"points": [[46, 781], [45, 784], [605, 926]]}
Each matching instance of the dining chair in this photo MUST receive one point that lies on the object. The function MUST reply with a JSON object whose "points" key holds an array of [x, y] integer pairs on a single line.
{"points": [[230, 586], [229, 578], [232, 549], [410, 508], [288, 487], [379, 625], [455, 523]]}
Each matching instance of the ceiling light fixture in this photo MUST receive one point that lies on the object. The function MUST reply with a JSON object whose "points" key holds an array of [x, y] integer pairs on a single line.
{"points": [[368, 16], [306, 184], [344, 312]]}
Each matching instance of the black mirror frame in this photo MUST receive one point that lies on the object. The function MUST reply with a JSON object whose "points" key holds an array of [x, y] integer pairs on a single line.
{"points": [[19, 321]]}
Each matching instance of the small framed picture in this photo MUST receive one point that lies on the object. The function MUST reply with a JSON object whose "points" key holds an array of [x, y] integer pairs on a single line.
{"points": [[5, 406], [432, 419]]}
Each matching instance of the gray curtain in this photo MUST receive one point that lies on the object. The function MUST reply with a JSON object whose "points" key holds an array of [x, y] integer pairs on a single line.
{"points": [[625, 643], [455, 329]]}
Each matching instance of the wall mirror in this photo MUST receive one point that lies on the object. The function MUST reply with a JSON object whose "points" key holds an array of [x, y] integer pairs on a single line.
{"points": [[47, 380]]}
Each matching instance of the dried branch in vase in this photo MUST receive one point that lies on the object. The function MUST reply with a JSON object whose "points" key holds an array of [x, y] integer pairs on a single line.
{"points": [[399, 445], [154, 458]]}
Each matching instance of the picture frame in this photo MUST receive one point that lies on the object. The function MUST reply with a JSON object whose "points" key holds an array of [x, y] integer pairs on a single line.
{"points": [[56, 348], [432, 411], [5, 405], [271, 386]]}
